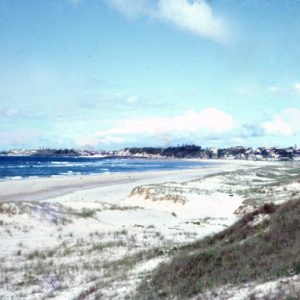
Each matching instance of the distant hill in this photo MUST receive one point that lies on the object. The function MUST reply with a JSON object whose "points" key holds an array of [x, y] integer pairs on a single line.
{"points": [[180, 151], [184, 151], [56, 152]]}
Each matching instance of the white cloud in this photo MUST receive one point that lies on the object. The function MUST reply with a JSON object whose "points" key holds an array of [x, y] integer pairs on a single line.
{"points": [[297, 86], [19, 137], [196, 16], [285, 123], [277, 127], [210, 121], [292, 117], [94, 140]]}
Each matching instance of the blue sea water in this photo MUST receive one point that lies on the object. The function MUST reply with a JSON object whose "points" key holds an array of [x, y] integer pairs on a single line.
{"points": [[29, 166]]}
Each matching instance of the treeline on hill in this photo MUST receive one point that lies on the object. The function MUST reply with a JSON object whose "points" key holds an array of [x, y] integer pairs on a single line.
{"points": [[56, 152], [193, 151], [184, 151]]}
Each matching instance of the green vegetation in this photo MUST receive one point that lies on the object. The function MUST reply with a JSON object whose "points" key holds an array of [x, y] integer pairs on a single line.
{"points": [[102, 246], [184, 151], [56, 152], [244, 252], [86, 213]]}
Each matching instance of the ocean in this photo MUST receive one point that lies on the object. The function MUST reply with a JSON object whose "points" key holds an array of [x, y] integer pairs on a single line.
{"points": [[14, 167]]}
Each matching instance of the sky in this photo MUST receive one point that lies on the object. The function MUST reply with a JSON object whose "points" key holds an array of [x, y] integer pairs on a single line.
{"points": [[107, 74]]}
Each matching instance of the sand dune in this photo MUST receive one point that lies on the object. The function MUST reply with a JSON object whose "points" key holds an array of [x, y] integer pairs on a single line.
{"points": [[99, 235]]}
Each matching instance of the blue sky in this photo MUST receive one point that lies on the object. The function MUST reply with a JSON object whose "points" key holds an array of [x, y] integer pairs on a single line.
{"points": [[105, 74]]}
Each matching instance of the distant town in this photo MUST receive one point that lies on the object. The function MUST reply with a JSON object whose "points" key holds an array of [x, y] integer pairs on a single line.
{"points": [[184, 151]]}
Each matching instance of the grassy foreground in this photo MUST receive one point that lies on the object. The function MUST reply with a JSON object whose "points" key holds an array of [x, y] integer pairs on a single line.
{"points": [[263, 245]]}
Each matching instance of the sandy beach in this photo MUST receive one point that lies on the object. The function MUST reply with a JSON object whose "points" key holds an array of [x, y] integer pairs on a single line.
{"points": [[98, 236], [32, 189], [42, 188]]}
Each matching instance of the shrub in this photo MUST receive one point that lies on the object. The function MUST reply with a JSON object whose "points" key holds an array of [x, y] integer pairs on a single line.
{"points": [[241, 253]]}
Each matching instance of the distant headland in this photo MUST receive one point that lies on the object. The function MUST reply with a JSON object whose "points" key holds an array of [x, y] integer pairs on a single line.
{"points": [[183, 151]]}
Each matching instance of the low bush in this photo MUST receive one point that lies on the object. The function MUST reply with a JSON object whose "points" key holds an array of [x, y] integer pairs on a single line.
{"points": [[241, 253]]}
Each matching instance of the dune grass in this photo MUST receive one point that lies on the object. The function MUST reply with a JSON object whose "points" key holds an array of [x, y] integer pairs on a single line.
{"points": [[244, 252]]}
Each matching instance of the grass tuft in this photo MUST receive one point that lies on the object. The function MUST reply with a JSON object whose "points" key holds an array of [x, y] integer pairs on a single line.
{"points": [[239, 254]]}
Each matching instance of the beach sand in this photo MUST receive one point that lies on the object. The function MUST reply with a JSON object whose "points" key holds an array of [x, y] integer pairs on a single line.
{"points": [[32, 189], [98, 236]]}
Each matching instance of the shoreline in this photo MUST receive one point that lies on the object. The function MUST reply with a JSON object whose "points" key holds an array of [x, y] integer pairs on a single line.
{"points": [[74, 174], [36, 189], [25, 189]]}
